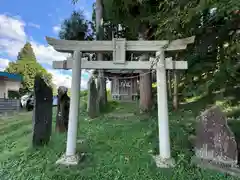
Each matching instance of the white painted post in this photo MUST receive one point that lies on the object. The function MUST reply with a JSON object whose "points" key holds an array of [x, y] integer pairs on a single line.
{"points": [[164, 157], [74, 105]]}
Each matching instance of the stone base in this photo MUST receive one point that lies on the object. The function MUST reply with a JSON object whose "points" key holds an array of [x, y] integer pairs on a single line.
{"points": [[164, 163], [221, 167], [79, 141], [69, 160]]}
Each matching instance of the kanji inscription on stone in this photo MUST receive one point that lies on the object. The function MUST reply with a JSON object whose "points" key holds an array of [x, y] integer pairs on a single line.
{"points": [[215, 142], [62, 110], [42, 113], [93, 101]]}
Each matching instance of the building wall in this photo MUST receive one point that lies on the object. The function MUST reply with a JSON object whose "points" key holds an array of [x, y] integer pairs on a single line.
{"points": [[6, 86], [2, 88]]}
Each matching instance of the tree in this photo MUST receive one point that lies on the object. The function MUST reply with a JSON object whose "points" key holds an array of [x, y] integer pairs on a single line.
{"points": [[26, 53], [212, 59], [76, 28], [98, 27], [139, 18], [27, 66], [101, 82]]}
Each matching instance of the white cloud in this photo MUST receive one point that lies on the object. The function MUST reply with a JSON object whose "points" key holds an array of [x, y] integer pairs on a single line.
{"points": [[12, 28], [56, 29], [3, 64], [46, 54], [12, 34], [62, 79], [34, 25], [10, 47], [13, 38]]}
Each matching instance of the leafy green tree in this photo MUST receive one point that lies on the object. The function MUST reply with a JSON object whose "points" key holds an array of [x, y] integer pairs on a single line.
{"points": [[136, 17], [76, 28], [98, 27], [213, 58], [54, 88], [27, 53], [27, 66], [139, 19]]}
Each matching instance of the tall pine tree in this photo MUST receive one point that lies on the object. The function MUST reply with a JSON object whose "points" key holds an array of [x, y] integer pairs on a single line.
{"points": [[27, 66], [27, 53]]}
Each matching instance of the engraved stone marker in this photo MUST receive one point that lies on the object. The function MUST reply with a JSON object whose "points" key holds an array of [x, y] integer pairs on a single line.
{"points": [[215, 142], [62, 110], [93, 102], [42, 114]]}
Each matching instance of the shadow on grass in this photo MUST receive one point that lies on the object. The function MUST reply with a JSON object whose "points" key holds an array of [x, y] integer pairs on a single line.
{"points": [[197, 106], [235, 113], [111, 106], [182, 125]]}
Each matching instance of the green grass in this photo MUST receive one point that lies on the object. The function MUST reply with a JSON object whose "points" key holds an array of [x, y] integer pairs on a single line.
{"points": [[115, 149]]}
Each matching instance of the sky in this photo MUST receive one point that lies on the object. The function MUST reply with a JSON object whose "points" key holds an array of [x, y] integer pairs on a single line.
{"points": [[31, 20]]}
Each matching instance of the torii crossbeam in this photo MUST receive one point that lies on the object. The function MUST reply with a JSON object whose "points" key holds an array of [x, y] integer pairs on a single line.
{"points": [[128, 65], [119, 48]]}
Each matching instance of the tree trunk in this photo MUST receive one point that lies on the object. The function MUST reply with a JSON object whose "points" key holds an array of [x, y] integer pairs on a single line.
{"points": [[169, 81], [175, 90], [145, 103], [101, 80]]}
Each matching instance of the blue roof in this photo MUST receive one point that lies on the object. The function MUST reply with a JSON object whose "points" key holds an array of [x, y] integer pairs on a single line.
{"points": [[16, 77]]}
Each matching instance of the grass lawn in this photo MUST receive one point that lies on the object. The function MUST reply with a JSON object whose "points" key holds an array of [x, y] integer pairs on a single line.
{"points": [[115, 149]]}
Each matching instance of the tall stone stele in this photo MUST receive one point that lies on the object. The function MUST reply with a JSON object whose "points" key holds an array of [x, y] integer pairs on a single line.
{"points": [[62, 110], [42, 113], [93, 99]]}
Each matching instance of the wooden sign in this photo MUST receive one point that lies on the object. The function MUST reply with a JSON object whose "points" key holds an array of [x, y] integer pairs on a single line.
{"points": [[125, 83]]}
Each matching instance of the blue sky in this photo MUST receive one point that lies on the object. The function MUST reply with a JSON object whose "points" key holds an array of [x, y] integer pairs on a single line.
{"points": [[29, 20]]}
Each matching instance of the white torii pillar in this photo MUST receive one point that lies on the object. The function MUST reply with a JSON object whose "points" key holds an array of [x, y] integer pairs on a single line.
{"points": [[164, 158], [71, 158]]}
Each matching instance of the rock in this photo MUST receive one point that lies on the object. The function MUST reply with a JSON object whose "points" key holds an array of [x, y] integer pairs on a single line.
{"points": [[62, 116], [42, 113], [93, 100], [215, 142]]}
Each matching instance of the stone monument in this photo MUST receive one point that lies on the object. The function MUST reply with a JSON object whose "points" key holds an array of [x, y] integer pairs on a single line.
{"points": [[215, 144], [42, 113], [62, 110], [93, 101]]}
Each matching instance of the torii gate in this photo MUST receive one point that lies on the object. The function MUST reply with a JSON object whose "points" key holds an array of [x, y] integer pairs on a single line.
{"points": [[119, 48]]}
